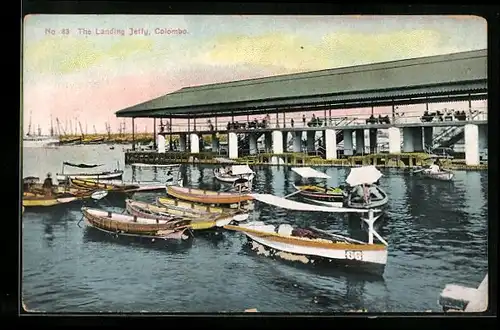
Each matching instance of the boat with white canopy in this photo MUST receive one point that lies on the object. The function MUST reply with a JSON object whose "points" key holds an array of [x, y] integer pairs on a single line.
{"points": [[325, 195], [106, 175], [315, 246], [363, 191], [235, 173]]}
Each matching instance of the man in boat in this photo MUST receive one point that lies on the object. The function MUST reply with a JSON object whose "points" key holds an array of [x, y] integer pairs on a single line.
{"points": [[434, 168], [48, 185]]}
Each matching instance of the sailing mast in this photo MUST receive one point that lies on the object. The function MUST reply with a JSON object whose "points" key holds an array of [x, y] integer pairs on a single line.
{"points": [[29, 125], [51, 126]]}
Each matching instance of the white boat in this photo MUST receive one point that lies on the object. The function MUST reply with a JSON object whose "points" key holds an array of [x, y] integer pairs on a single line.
{"points": [[234, 173], [316, 246], [105, 175], [363, 192], [440, 175], [36, 141]]}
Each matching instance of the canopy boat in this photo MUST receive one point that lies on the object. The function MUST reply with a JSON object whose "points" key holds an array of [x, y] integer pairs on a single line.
{"points": [[316, 246], [106, 175], [128, 225], [231, 173], [207, 196], [194, 218], [363, 192], [331, 196]]}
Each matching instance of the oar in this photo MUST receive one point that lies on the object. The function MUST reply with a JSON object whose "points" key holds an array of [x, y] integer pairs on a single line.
{"points": [[294, 193], [418, 171]]}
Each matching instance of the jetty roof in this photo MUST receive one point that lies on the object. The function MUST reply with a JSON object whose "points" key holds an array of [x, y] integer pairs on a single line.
{"points": [[449, 77]]}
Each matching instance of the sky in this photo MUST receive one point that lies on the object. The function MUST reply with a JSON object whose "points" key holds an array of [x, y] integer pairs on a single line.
{"points": [[81, 68]]}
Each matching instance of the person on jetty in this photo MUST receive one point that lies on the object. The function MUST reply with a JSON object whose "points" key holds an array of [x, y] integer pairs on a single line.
{"points": [[48, 185]]}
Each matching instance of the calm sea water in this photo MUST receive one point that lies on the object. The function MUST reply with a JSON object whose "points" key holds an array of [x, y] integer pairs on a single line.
{"points": [[437, 234]]}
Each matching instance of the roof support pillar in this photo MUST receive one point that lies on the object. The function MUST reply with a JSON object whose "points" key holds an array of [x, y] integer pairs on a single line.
{"points": [[189, 125], [216, 128], [284, 119], [154, 134], [194, 125], [470, 102], [170, 136], [133, 133], [277, 119]]}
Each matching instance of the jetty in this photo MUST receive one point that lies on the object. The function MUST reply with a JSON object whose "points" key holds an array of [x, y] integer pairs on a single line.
{"points": [[457, 298], [284, 117]]}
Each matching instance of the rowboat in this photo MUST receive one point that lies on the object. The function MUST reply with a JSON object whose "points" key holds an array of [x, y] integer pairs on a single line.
{"points": [[363, 192], [192, 208], [194, 218], [207, 196], [331, 196], [230, 174], [441, 175], [105, 175], [314, 246], [36, 199], [155, 165], [122, 224], [94, 184]]}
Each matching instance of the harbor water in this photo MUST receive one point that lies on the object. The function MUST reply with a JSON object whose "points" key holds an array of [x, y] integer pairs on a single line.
{"points": [[437, 235]]}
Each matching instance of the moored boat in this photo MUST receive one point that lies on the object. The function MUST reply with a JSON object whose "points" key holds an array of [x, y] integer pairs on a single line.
{"points": [[95, 184], [39, 199], [122, 224], [325, 195], [194, 218], [232, 173], [207, 196], [439, 175], [363, 192], [105, 175], [314, 246]]}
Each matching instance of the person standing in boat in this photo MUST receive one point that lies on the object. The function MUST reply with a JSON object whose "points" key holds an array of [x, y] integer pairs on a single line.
{"points": [[48, 185]]}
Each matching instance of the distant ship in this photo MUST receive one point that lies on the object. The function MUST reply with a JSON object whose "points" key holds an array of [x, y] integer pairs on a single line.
{"points": [[38, 140]]}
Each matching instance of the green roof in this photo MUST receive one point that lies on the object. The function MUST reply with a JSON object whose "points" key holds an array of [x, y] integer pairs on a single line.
{"points": [[442, 76]]}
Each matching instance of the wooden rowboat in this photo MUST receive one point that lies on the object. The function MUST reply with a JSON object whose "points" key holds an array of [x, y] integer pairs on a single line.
{"points": [[132, 225], [193, 218], [207, 196], [329, 196], [93, 184], [39, 199], [313, 246], [174, 205], [441, 175]]}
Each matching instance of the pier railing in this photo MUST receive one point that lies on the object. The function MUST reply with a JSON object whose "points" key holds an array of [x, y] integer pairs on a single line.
{"points": [[353, 119]]}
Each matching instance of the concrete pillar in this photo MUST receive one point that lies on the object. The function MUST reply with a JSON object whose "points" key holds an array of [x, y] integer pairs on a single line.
{"points": [[285, 141], [297, 141], [394, 140], [195, 143], [161, 143], [310, 140], [428, 135], [277, 142], [252, 143], [268, 142], [330, 144], [360, 141], [182, 142], [373, 140], [348, 145], [417, 139], [483, 137], [232, 144], [407, 139], [215, 143], [471, 137]]}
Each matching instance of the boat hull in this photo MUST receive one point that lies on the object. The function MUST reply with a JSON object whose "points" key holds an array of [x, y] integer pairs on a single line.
{"points": [[442, 176], [94, 184], [309, 251], [207, 196], [193, 208], [97, 176], [179, 235], [374, 203], [121, 223], [315, 193]]}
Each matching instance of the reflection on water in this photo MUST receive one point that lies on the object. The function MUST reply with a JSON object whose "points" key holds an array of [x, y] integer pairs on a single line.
{"points": [[436, 232]]}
